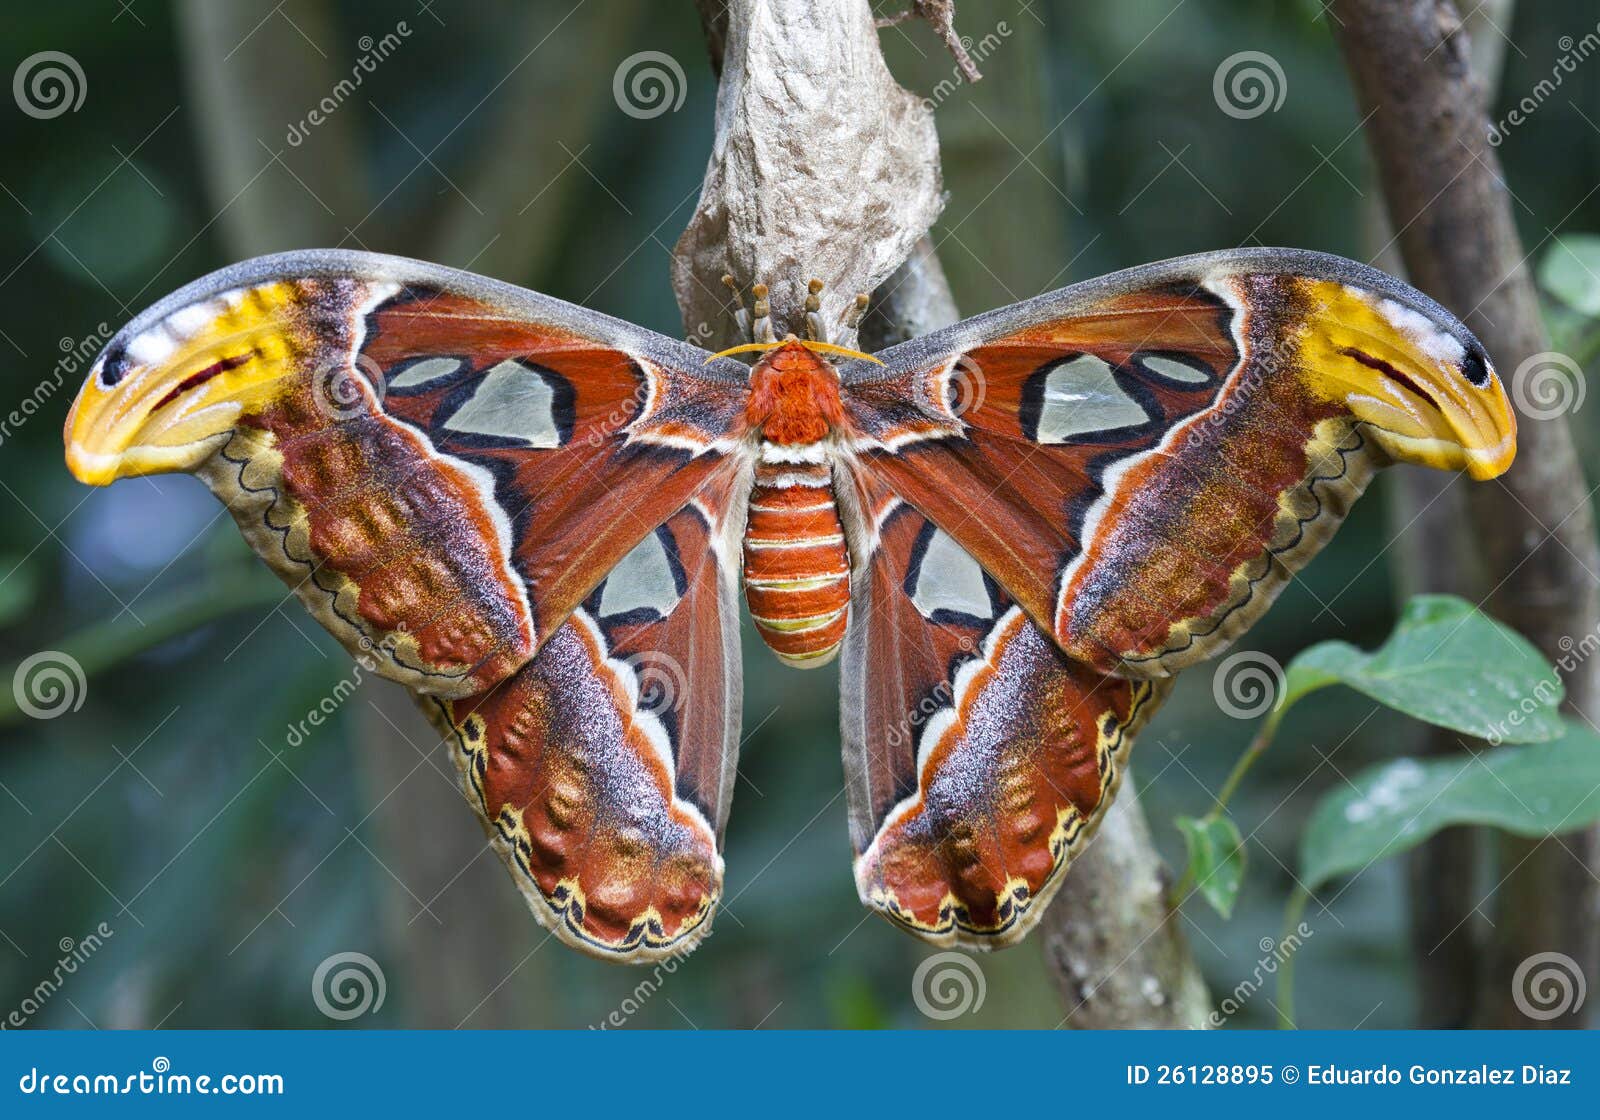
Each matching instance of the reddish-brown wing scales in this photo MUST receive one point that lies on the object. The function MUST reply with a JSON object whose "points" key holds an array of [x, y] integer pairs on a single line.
{"points": [[1153, 465], [400, 542], [603, 767], [444, 469], [1041, 424], [979, 756], [634, 443]]}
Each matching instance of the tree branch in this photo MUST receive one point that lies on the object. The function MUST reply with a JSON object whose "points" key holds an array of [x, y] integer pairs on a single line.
{"points": [[1446, 194], [245, 103], [941, 16], [714, 26], [522, 184], [1112, 937], [1117, 958]]}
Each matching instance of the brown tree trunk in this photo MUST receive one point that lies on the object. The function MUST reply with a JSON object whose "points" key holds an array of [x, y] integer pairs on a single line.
{"points": [[1112, 935], [1434, 552], [1446, 195]]}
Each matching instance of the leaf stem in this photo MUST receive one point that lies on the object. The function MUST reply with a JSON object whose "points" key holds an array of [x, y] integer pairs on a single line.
{"points": [[1255, 750], [1257, 747], [1292, 914]]}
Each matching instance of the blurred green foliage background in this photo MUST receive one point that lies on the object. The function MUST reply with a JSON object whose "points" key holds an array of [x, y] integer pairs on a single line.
{"points": [[230, 860]]}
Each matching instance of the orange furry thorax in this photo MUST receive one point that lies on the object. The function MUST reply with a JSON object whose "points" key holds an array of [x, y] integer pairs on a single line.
{"points": [[794, 396]]}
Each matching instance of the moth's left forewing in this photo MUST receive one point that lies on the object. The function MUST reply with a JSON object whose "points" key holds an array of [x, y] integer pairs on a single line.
{"points": [[1143, 461]]}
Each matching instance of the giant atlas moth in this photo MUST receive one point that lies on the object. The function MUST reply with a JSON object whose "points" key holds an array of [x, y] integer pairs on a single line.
{"points": [[1014, 531]]}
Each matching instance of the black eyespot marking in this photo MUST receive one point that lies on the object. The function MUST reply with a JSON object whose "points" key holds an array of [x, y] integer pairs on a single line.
{"points": [[1475, 366], [116, 366]]}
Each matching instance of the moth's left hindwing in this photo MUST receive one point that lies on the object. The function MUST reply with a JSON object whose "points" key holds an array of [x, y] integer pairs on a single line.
{"points": [[603, 768], [440, 466]]}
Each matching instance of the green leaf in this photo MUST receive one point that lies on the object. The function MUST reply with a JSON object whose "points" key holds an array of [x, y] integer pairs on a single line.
{"points": [[1570, 271], [1446, 663], [1531, 791], [1216, 859]]}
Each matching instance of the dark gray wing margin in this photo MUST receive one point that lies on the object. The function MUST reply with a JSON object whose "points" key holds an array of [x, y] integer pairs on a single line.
{"points": [[516, 302], [920, 353]]}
